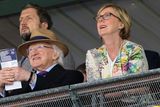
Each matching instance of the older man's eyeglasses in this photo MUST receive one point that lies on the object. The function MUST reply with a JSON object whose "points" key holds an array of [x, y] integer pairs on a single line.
{"points": [[38, 48], [106, 16]]}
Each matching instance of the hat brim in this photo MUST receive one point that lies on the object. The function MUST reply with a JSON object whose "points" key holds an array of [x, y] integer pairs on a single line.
{"points": [[22, 49]]}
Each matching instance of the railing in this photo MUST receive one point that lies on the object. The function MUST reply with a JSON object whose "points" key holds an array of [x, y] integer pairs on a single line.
{"points": [[136, 90]]}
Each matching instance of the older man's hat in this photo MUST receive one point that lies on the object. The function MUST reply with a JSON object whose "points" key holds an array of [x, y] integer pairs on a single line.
{"points": [[42, 35]]}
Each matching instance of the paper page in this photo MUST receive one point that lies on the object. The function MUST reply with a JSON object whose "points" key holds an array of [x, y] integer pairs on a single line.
{"points": [[8, 58]]}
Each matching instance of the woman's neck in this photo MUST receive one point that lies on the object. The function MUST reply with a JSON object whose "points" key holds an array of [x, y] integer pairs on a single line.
{"points": [[113, 46]]}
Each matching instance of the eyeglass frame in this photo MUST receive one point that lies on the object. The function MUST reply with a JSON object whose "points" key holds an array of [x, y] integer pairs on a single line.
{"points": [[105, 16], [38, 47]]}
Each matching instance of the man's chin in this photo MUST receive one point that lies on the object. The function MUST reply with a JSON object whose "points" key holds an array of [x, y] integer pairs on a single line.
{"points": [[26, 36]]}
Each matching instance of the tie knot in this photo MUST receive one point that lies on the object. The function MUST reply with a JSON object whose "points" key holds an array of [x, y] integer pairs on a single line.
{"points": [[42, 73]]}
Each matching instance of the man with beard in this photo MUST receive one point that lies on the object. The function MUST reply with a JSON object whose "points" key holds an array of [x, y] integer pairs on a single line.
{"points": [[33, 17]]}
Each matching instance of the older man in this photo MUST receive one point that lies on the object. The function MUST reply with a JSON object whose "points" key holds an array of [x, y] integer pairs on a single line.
{"points": [[45, 52]]}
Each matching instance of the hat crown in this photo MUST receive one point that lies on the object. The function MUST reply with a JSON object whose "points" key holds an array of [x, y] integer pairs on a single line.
{"points": [[43, 34]]}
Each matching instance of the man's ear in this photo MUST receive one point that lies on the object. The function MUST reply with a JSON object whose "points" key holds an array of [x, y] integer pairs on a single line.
{"points": [[44, 25], [55, 55]]}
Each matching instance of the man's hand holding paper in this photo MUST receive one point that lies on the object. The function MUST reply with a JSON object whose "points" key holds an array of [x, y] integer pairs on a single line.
{"points": [[8, 60]]}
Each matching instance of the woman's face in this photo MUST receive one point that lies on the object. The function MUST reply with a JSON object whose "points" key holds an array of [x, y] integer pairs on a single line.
{"points": [[108, 22]]}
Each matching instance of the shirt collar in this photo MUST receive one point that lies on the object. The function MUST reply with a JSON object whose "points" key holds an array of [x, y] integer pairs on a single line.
{"points": [[49, 68]]}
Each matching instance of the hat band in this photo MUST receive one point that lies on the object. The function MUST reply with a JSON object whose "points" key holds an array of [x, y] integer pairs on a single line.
{"points": [[38, 37]]}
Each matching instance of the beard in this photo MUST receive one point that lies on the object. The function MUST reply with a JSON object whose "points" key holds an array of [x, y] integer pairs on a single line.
{"points": [[26, 36], [25, 33]]}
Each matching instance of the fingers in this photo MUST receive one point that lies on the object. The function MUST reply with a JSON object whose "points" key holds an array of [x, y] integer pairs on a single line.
{"points": [[7, 81], [7, 76], [10, 77], [9, 68], [10, 80], [13, 74]]}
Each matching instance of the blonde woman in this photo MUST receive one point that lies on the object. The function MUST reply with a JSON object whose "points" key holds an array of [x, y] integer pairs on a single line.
{"points": [[117, 56]]}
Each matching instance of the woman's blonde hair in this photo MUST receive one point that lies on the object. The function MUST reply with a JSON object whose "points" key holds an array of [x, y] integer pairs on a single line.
{"points": [[123, 17]]}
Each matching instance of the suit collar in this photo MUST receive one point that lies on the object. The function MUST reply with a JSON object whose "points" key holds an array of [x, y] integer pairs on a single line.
{"points": [[57, 67]]}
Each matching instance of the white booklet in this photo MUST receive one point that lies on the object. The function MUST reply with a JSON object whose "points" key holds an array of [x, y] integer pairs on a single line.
{"points": [[8, 58]]}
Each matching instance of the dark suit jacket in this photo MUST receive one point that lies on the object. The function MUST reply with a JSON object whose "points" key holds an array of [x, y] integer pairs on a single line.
{"points": [[56, 77], [153, 59]]}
